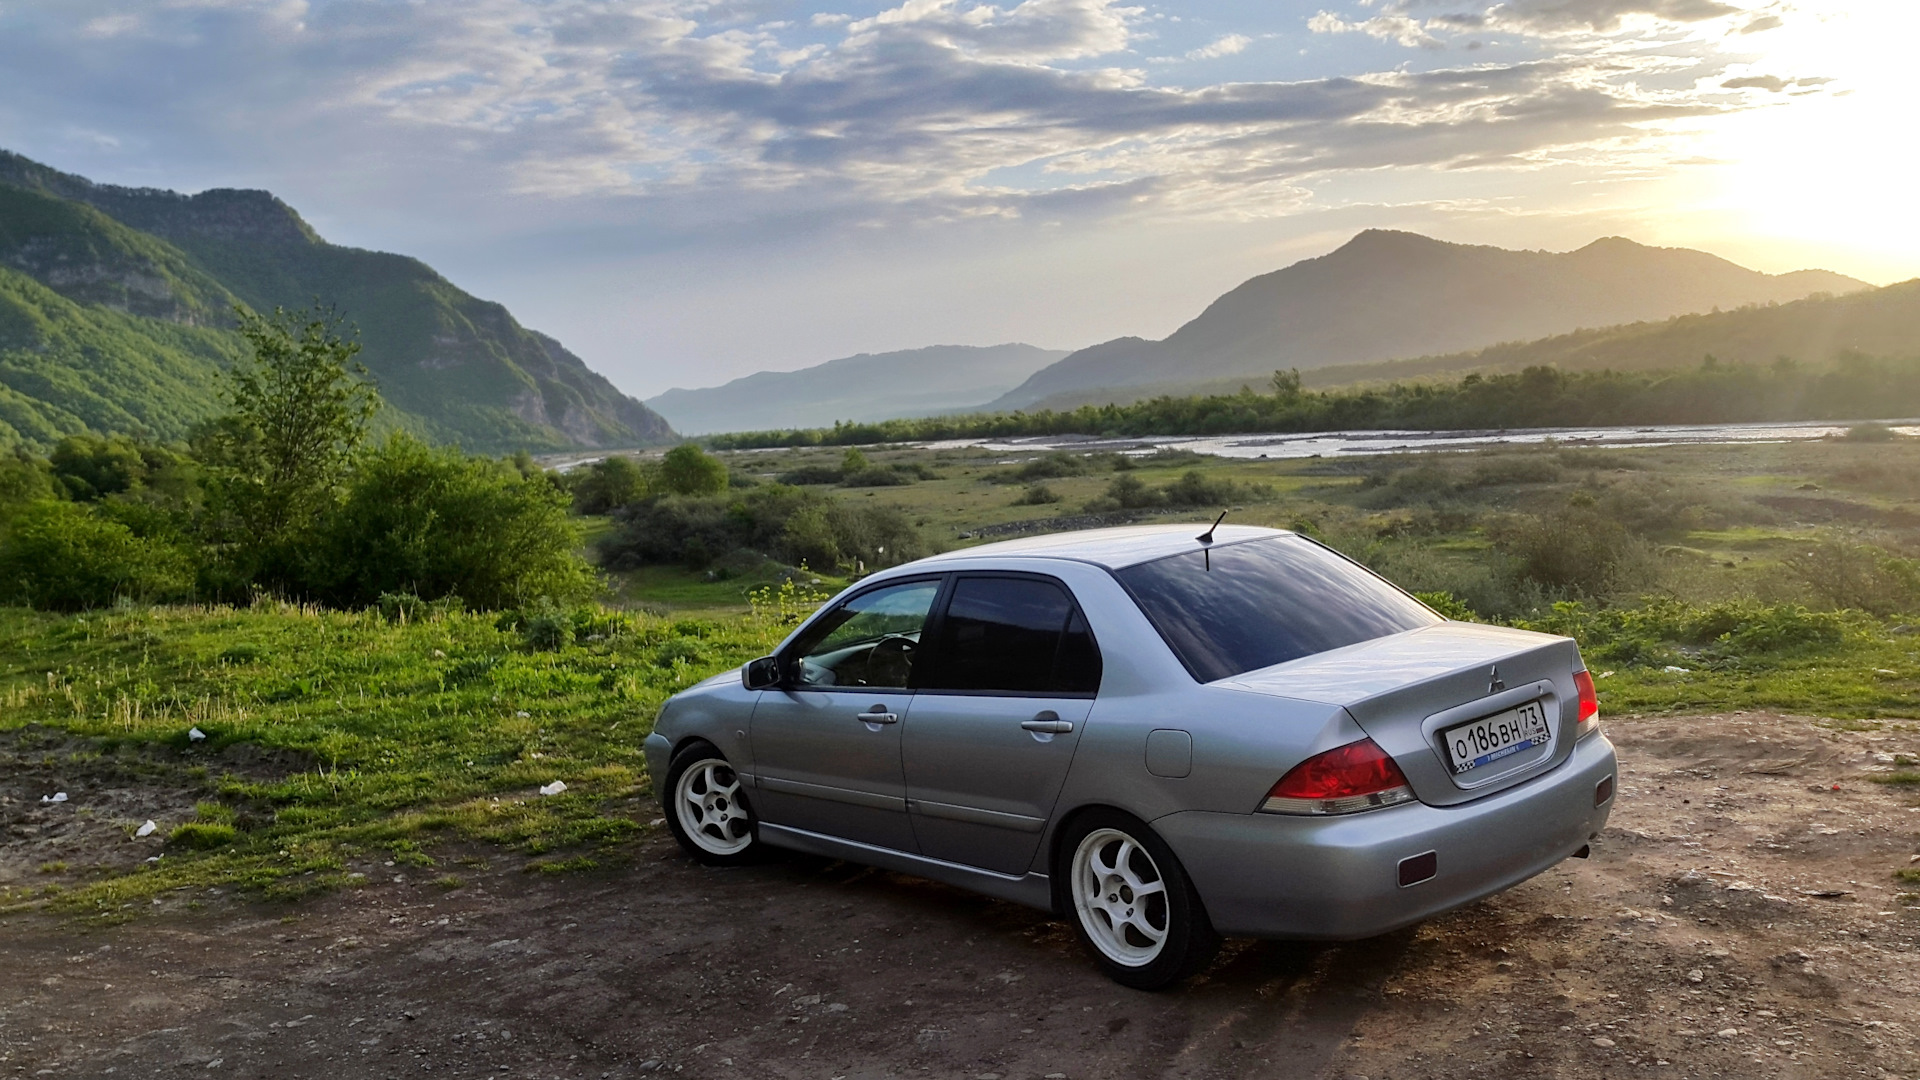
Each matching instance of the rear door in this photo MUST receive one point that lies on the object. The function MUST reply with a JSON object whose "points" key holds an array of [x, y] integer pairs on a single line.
{"points": [[1009, 681], [826, 744]]}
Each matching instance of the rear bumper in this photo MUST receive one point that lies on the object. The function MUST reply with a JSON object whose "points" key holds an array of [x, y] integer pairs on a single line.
{"points": [[1270, 875]]}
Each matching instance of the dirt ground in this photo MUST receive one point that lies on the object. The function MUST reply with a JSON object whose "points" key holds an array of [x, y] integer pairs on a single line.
{"points": [[1738, 919]]}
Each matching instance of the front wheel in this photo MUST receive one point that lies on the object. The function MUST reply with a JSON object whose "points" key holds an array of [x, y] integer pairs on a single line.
{"points": [[707, 810], [1131, 904]]}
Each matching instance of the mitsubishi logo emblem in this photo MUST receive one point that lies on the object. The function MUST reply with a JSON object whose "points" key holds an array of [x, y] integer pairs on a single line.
{"points": [[1495, 683]]}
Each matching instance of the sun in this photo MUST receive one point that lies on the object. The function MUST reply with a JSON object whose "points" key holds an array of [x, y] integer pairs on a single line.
{"points": [[1829, 165]]}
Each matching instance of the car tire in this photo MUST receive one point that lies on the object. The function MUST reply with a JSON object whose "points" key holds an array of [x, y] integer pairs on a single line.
{"points": [[707, 809], [1131, 903]]}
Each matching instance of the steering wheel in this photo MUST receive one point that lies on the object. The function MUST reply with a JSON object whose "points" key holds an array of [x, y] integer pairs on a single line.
{"points": [[892, 654]]}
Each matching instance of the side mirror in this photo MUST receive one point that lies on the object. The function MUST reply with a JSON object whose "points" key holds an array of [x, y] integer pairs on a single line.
{"points": [[761, 674]]}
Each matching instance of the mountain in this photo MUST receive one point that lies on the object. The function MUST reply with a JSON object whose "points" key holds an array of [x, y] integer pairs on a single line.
{"points": [[1386, 295], [870, 386], [95, 278], [1876, 322]]}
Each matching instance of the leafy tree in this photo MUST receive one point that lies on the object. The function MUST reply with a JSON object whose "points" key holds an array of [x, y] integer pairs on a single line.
{"points": [[67, 557], [25, 478], [297, 410], [608, 483], [436, 523], [92, 467], [689, 470]]}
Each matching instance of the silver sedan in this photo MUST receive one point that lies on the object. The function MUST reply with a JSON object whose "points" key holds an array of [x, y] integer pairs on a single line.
{"points": [[1161, 735]]}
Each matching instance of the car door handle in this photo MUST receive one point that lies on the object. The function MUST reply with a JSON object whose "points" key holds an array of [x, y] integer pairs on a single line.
{"points": [[878, 715], [1047, 727]]}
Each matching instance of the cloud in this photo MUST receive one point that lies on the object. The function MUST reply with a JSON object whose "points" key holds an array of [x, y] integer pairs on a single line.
{"points": [[1773, 84], [1396, 28], [1226, 45], [1403, 21], [1603, 16], [1036, 30], [652, 114]]}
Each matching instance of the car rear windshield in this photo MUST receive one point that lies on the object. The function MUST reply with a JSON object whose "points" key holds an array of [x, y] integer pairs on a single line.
{"points": [[1239, 607]]}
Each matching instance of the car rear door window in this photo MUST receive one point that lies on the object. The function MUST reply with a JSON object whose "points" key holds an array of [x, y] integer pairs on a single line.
{"points": [[1239, 607], [1013, 635]]}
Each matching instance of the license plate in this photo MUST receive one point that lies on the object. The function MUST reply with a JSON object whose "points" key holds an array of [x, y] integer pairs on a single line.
{"points": [[1490, 738]]}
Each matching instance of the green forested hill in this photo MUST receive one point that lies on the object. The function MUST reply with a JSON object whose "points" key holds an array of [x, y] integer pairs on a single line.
{"points": [[67, 367], [114, 314]]}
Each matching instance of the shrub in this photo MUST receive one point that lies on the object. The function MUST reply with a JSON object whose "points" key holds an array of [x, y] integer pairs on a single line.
{"points": [[789, 524], [875, 476], [1513, 469], [1851, 574], [1052, 466], [203, 836], [1195, 489], [812, 474], [1575, 550], [1037, 495], [606, 484], [67, 557], [436, 523], [1449, 606], [689, 470]]}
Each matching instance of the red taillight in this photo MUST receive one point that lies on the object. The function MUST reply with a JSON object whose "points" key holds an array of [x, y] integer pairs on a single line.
{"points": [[1589, 703], [1357, 776]]}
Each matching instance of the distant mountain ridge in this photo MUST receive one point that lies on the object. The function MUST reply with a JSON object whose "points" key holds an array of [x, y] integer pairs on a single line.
{"points": [[1387, 295], [869, 386], [126, 269]]}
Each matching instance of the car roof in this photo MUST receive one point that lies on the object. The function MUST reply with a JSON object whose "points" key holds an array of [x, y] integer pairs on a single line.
{"points": [[1111, 548]]}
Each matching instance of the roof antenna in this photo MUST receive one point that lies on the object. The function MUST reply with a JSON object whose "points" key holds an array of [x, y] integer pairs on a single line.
{"points": [[1207, 537]]}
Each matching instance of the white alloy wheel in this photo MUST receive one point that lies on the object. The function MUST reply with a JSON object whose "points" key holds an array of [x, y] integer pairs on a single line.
{"points": [[707, 800], [1120, 896]]}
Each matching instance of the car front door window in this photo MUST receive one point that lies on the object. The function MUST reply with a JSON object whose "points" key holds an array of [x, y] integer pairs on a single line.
{"points": [[869, 641]]}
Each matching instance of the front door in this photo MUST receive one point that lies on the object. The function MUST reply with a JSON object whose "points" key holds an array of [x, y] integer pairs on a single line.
{"points": [[826, 745], [994, 724]]}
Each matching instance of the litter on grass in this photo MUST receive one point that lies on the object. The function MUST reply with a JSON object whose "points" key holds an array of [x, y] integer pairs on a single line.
{"points": [[146, 830], [554, 788], [194, 734], [58, 796]]}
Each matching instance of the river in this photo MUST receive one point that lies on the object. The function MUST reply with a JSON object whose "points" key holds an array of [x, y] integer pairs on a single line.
{"points": [[1341, 443]]}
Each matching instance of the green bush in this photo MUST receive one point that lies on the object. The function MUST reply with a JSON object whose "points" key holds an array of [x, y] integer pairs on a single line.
{"points": [[606, 484], [788, 524], [1575, 550], [203, 836], [1129, 492], [689, 470], [435, 523], [66, 557], [1037, 495], [1657, 629], [813, 474], [1849, 574]]}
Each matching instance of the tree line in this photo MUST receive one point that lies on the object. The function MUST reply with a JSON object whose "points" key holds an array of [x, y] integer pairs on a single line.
{"points": [[1854, 387]]}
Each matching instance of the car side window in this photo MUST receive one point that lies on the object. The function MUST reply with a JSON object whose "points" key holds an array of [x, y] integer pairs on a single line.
{"points": [[1014, 635], [868, 641]]}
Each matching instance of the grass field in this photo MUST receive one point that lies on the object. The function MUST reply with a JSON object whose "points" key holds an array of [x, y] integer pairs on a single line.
{"points": [[337, 742]]}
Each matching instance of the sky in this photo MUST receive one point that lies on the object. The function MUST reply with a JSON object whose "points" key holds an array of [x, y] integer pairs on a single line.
{"points": [[686, 192]]}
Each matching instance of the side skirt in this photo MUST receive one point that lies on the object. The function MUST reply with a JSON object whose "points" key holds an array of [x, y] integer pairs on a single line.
{"points": [[1033, 890]]}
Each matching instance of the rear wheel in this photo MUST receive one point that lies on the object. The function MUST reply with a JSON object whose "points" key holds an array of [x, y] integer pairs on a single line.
{"points": [[1131, 904], [707, 810]]}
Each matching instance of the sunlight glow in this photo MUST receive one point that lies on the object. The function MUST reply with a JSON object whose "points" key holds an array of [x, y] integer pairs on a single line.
{"points": [[1830, 167]]}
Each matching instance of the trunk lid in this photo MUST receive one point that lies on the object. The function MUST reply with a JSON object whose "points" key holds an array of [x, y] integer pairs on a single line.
{"points": [[1404, 690]]}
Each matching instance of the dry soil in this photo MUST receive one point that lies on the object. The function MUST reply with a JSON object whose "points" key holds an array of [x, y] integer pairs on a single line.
{"points": [[1739, 918]]}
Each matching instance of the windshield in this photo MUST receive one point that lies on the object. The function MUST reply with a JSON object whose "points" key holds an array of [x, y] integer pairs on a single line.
{"points": [[1239, 607]]}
